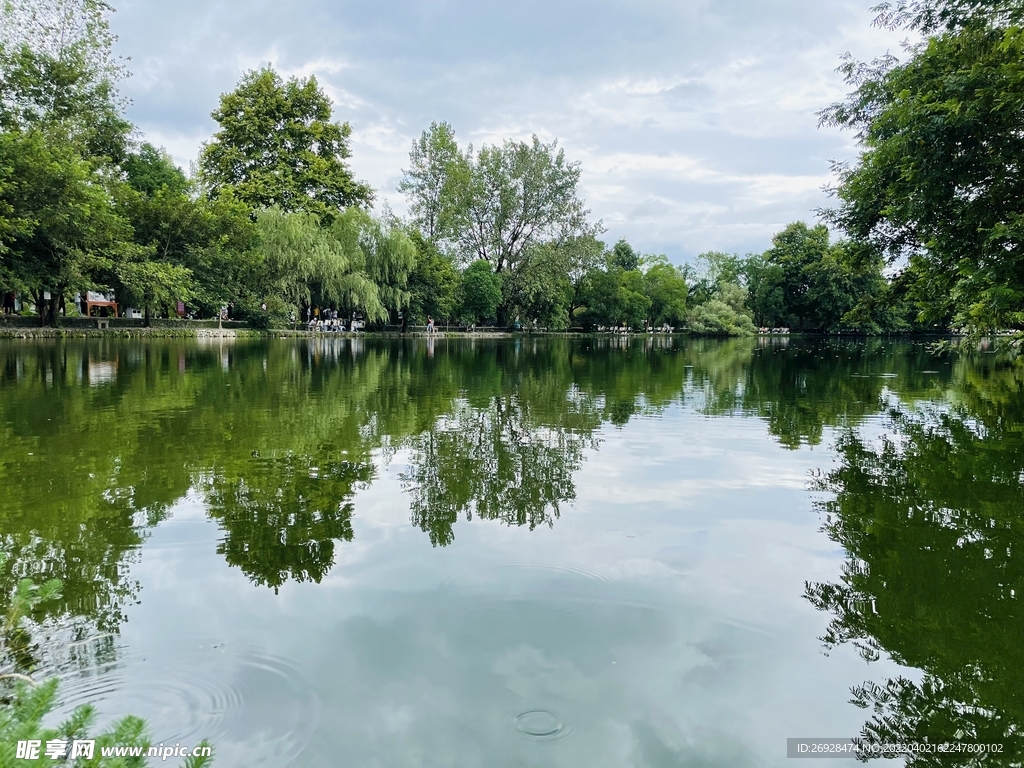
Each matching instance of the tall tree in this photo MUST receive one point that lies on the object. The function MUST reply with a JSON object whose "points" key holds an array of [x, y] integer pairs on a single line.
{"points": [[583, 254], [623, 256], [63, 131], [517, 195], [436, 167], [938, 184], [278, 146]]}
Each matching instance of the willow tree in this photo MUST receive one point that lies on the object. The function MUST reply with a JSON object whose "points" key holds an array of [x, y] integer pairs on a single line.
{"points": [[356, 262]]}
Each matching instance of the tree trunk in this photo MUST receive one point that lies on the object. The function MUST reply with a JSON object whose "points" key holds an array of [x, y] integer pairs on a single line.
{"points": [[145, 321]]}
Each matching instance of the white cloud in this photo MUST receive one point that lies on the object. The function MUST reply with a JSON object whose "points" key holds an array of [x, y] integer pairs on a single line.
{"points": [[694, 120]]}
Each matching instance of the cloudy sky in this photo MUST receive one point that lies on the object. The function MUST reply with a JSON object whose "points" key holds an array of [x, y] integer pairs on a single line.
{"points": [[694, 120]]}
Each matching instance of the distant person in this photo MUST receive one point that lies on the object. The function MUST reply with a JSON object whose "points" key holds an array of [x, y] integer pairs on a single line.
{"points": [[430, 325]]}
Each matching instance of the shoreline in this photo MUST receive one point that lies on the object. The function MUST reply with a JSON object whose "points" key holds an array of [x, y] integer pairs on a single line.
{"points": [[40, 332]]}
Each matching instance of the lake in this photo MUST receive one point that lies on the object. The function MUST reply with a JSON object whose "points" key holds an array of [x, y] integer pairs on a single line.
{"points": [[528, 552]]}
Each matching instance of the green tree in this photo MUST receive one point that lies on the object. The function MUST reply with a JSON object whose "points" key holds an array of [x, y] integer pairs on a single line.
{"points": [[150, 170], [636, 303], [301, 258], [390, 258], [481, 292], [434, 282], [601, 299], [58, 74], [436, 168], [150, 283], [583, 254], [766, 300], [538, 290], [623, 256], [665, 285], [936, 186], [517, 195], [68, 231], [713, 270], [278, 147], [63, 131], [725, 314]]}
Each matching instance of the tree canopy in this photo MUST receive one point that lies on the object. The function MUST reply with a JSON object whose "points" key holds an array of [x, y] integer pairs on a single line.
{"points": [[278, 146], [937, 187]]}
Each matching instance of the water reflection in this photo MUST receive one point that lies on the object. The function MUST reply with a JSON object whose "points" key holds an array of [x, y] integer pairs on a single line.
{"points": [[930, 517], [282, 516], [277, 438], [101, 438], [100, 441]]}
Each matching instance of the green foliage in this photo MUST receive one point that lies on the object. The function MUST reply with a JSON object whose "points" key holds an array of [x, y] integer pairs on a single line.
{"points": [[515, 196], [767, 300], [725, 314], [538, 290], [389, 258], [152, 283], [432, 181], [928, 517], [481, 293], [58, 75], [805, 282], [66, 229], [665, 285], [623, 257], [434, 283], [278, 147], [150, 171], [600, 299], [714, 269], [631, 297], [936, 187], [301, 260], [582, 255]]}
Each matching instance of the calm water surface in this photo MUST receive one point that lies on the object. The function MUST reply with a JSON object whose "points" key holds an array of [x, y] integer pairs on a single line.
{"points": [[521, 553]]}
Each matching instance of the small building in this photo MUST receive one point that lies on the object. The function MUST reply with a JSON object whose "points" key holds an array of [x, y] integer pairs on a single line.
{"points": [[101, 300]]}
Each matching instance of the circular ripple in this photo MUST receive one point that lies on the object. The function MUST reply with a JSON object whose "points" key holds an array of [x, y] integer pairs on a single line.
{"points": [[538, 723], [234, 700]]}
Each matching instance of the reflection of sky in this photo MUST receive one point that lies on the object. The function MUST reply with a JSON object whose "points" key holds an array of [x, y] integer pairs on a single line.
{"points": [[660, 619], [694, 120]]}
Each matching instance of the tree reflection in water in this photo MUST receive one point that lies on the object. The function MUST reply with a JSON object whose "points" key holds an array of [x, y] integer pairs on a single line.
{"points": [[931, 518], [102, 438]]}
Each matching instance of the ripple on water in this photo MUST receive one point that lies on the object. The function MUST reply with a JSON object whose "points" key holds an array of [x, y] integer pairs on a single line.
{"points": [[235, 699], [541, 725]]}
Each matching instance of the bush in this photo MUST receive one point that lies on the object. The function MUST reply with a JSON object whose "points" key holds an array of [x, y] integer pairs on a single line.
{"points": [[723, 315]]}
